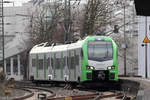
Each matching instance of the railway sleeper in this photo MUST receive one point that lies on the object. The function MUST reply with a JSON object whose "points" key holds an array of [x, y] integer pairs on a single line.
{"points": [[68, 86]]}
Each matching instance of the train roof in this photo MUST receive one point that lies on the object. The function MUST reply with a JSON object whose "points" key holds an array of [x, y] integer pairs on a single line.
{"points": [[43, 48]]}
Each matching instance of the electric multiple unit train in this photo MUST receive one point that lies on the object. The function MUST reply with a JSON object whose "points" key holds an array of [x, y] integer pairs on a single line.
{"points": [[91, 59]]}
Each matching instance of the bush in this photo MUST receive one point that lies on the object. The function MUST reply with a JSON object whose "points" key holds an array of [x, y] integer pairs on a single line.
{"points": [[2, 76], [2, 83]]}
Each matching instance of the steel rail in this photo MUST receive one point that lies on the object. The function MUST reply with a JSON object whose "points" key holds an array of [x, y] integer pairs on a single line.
{"points": [[94, 96], [26, 96], [32, 93]]}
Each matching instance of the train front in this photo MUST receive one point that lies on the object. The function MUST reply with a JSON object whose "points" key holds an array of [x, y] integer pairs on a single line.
{"points": [[99, 59]]}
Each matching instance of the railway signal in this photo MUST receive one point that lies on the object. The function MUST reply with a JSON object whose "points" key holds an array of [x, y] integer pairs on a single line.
{"points": [[146, 40]]}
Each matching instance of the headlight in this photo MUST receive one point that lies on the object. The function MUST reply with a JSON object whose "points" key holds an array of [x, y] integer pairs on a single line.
{"points": [[90, 67], [110, 67]]}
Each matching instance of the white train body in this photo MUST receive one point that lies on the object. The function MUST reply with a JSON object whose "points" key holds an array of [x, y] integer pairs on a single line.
{"points": [[45, 56]]}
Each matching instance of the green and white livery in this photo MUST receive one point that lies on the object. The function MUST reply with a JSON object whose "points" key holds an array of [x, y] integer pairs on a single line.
{"points": [[91, 59]]}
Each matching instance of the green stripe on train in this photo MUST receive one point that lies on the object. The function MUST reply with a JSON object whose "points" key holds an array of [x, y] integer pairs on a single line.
{"points": [[85, 59], [115, 59]]}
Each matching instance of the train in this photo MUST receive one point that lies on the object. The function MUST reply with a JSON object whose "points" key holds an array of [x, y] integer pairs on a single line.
{"points": [[92, 59]]}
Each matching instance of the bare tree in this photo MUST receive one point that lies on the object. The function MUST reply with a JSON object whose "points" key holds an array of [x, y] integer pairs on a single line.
{"points": [[52, 22], [44, 23], [131, 53], [95, 16]]}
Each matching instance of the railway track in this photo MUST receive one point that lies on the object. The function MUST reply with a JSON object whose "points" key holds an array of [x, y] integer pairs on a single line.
{"points": [[93, 96], [61, 93], [34, 93]]}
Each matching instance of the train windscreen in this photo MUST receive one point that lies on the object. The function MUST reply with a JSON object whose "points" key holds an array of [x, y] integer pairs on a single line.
{"points": [[100, 51]]}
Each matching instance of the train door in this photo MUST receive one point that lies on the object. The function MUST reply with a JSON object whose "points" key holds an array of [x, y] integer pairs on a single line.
{"points": [[36, 71], [47, 58], [71, 65], [77, 64], [41, 66], [58, 66], [46, 66], [62, 65], [32, 68], [52, 66], [66, 68]]}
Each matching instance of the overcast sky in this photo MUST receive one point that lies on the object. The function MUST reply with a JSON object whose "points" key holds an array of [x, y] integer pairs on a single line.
{"points": [[16, 2], [19, 2]]}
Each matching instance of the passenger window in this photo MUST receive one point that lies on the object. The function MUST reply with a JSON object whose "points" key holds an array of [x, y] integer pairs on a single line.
{"points": [[68, 62], [57, 63], [77, 59], [64, 60], [52, 62], [72, 63], [62, 63], [33, 62], [81, 53], [40, 63], [48, 62]]}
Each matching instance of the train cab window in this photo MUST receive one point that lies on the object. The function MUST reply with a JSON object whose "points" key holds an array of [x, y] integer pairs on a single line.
{"points": [[100, 51], [33, 62], [40, 63]]}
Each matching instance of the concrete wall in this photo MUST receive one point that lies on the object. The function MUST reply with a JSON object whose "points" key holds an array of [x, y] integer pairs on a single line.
{"points": [[16, 20], [15, 29]]}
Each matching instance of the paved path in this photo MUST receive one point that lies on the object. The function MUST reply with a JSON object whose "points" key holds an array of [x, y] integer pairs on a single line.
{"points": [[144, 92], [143, 95]]}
